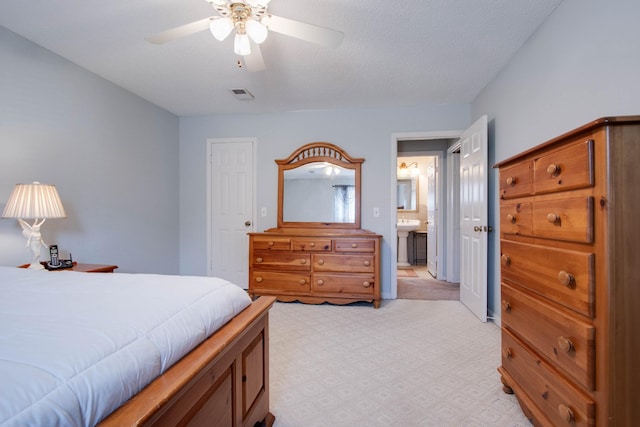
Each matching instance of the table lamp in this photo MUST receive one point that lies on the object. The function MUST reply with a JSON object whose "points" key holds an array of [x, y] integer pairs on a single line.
{"points": [[38, 202]]}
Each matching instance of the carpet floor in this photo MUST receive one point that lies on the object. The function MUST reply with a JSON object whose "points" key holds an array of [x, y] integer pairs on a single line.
{"points": [[407, 364]]}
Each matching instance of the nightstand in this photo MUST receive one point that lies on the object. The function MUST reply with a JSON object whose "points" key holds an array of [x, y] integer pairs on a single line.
{"points": [[86, 268]]}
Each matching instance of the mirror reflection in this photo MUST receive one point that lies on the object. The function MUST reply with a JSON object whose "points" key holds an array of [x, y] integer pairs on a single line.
{"points": [[319, 192], [407, 194]]}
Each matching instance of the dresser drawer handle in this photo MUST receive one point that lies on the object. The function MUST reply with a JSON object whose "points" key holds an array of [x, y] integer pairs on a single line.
{"points": [[511, 181], [553, 218], [566, 278], [507, 353], [566, 413], [259, 279], [511, 218], [354, 245], [303, 261], [506, 260], [271, 243], [303, 282], [321, 262], [259, 259], [366, 284], [506, 306], [312, 245], [565, 344], [319, 282], [553, 169], [367, 263]]}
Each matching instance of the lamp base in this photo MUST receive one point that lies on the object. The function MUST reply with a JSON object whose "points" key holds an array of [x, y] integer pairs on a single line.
{"points": [[36, 266]]}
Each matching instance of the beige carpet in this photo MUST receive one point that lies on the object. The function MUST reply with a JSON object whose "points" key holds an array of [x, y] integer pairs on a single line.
{"points": [[407, 364]]}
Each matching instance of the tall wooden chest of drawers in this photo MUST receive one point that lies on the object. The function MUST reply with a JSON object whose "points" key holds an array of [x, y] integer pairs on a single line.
{"points": [[570, 276], [315, 265]]}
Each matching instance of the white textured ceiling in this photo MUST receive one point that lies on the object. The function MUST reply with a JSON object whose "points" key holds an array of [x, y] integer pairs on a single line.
{"points": [[395, 52]]}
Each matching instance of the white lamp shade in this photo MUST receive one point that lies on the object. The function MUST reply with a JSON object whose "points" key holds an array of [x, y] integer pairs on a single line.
{"points": [[258, 3], [256, 31], [34, 201], [241, 45], [221, 28]]}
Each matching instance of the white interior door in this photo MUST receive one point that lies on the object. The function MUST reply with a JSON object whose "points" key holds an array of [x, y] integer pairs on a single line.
{"points": [[473, 218], [432, 217], [231, 213]]}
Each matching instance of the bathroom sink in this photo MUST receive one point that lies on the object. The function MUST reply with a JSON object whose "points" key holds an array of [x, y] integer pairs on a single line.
{"points": [[408, 225]]}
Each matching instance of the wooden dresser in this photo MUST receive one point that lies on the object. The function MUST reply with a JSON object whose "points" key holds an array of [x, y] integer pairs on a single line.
{"points": [[570, 281], [315, 266]]}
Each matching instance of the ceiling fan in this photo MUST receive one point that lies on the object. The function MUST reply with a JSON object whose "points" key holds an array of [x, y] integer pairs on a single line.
{"points": [[252, 23]]}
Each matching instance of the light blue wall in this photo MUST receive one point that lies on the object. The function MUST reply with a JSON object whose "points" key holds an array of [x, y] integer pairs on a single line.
{"points": [[582, 64], [112, 156], [362, 133]]}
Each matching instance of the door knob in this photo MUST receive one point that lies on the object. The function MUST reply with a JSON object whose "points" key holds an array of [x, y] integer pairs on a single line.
{"points": [[477, 228], [247, 223]]}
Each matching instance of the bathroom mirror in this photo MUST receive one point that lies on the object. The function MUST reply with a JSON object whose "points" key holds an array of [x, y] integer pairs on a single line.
{"points": [[407, 194], [319, 187]]}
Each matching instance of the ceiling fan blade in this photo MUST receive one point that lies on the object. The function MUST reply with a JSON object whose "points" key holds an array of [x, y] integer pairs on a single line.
{"points": [[181, 31], [254, 61], [303, 31]]}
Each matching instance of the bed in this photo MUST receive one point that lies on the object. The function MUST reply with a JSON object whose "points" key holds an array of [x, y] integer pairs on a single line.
{"points": [[83, 349]]}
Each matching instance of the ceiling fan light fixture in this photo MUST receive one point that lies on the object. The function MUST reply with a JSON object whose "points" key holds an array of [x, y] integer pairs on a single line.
{"points": [[221, 28], [241, 45], [256, 30], [258, 3]]}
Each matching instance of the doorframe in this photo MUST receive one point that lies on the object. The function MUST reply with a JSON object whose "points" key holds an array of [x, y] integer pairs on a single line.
{"points": [[254, 184], [453, 205], [393, 218]]}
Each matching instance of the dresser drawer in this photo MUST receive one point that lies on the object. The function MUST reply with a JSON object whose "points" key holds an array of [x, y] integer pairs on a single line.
{"points": [[351, 284], [563, 276], [555, 397], [343, 263], [564, 219], [516, 180], [516, 218], [354, 245], [565, 169], [272, 243], [277, 282], [281, 260], [310, 244], [568, 342]]}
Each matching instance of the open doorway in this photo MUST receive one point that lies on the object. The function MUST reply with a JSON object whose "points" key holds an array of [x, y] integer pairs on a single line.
{"points": [[426, 245]]}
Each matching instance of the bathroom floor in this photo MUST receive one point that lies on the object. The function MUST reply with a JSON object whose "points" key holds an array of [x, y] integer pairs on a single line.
{"points": [[416, 283]]}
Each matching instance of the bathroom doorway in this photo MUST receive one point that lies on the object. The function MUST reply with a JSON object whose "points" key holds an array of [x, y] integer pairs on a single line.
{"points": [[426, 275]]}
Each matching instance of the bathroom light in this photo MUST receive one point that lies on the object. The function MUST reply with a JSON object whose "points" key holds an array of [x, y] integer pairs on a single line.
{"points": [[410, 169]]}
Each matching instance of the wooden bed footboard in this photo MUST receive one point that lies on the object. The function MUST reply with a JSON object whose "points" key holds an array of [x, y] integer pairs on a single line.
{"points": [[222, 382]]}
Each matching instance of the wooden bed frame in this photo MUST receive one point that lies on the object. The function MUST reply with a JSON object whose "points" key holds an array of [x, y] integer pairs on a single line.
{"points": [[222, 382]]}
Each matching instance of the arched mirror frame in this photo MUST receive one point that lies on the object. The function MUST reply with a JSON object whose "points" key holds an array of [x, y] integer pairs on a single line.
{"points": [[319, 152]]}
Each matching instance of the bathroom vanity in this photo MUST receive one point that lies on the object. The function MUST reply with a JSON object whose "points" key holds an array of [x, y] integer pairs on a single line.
{"points": [[318, 253]]}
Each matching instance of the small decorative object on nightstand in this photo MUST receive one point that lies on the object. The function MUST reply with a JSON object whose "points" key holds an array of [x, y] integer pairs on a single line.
{"points": [[86, 268]]}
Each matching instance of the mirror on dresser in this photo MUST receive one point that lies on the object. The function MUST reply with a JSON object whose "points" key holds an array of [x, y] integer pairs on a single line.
{"points": [[319, 187], [318, 253]]}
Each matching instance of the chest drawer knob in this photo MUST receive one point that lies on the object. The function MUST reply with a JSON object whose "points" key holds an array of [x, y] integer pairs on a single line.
{"points": [[566, 413], [507, 353], [354, 245], [511, 181], [320, 262], [506, 259], [312, 245], [271, 243], [366, 284], [553, 169], [259, 279], [367, 263], [511, 218], [565, 344], [566, 278], [506, 306], [553, 218], [303, 261], [319, 282], [259, 259]]}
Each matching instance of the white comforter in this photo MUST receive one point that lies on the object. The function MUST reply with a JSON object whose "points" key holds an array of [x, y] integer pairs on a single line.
{"points": [[75, 346]]}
